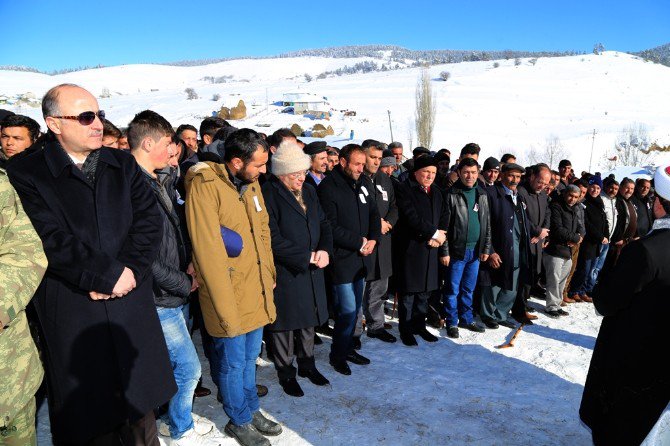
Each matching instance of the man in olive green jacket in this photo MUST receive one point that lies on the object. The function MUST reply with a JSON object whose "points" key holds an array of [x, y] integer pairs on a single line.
{"points": [[22, 265], [235, 284]]}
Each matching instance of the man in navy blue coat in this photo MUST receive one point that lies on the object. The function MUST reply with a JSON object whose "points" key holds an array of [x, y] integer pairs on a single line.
{"points": [[510, 255]]}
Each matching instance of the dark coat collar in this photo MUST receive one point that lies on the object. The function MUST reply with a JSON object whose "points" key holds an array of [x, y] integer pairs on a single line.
{"points": [[57, 159]]}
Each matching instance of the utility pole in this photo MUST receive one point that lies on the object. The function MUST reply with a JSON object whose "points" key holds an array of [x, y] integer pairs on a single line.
{"points": [[593, 141], [390, 126]]}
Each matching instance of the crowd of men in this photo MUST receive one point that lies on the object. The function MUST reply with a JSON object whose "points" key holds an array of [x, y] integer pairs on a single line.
{"points": [[149, 232]]}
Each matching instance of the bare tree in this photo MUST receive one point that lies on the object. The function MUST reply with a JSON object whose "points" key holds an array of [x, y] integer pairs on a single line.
{"points": [[632, 146], [425, 110], [552, 152]]}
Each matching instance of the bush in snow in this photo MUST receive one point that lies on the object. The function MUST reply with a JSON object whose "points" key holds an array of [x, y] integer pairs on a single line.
{"points": [[517, 62], [308, 78], [191, 94], [216, 97], [445, 75], [533, 61], [496, 64]]}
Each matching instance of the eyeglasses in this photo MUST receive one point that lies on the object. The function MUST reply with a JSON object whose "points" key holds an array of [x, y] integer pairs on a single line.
{"points": [[295, 176], [85, 118]]}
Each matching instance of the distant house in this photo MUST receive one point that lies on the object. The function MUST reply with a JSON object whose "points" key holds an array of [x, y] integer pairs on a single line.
{"points": [[305, 103]]}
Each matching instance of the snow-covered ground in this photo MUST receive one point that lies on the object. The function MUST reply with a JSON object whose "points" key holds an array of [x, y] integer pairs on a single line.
{"points": [[455, 392], [505, 109]]}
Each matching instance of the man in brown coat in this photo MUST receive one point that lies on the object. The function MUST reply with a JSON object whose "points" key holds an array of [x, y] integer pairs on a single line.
{"points": [[236, 273]]}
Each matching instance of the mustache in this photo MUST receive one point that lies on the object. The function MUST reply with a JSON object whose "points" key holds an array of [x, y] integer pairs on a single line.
{"points": [[513, 183]]}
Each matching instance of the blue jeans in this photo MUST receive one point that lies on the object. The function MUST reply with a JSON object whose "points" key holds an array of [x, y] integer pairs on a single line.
{"points": [[185, 365], [235, 372], [461, 281], [347, 299], [589, 270]]}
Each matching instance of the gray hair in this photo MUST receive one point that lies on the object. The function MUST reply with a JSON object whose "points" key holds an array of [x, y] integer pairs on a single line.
{"points": [[572, 189], [50, 100]]}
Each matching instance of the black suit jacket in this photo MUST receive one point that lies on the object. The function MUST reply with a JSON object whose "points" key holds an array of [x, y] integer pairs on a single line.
{"points": [[352, 212]]}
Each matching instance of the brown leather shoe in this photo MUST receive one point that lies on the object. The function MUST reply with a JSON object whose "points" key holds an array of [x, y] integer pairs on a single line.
{"points": [[261, 390], [532, 317], [201, 391], [577, 297], [586, 298], [568, 300]]}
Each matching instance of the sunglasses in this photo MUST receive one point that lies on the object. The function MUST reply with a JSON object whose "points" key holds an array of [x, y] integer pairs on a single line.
{"points": [[85, 118]]}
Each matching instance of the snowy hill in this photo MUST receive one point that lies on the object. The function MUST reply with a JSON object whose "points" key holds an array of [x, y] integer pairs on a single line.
{"points": [[505, 108]]}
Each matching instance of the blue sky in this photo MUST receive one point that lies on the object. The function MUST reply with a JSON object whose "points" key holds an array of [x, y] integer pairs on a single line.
{"points": [[51, 35]]}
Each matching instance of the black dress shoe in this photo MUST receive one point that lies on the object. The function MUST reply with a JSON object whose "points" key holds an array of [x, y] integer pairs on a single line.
{"points": [[382, 335], [472, 326], [264, 425], [201, 391], [490, 324], [562, 312], [356, 342], [261, 390], [246, 435], [358, 359], [452, 332], [317, 339], [554, 314], [314, 376], [426, 335], [291, 387], [408, 339], [341, 367], [507, 324], [523, 320]]}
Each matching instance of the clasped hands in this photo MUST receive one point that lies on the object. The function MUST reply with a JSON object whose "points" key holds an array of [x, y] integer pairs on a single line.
{"points": [[320, 259], [124, 285]]}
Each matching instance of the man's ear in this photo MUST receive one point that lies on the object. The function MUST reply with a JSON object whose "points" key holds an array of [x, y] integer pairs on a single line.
{"points": [[148, 144], [237, 163], [53, 124], [206, 139]]}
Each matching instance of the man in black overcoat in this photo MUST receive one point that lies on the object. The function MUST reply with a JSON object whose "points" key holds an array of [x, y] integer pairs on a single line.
{"points": [[417, 240], [539, 219], [104, 351], [628, 384], [302, 243], [347, 199], [381, 262]]}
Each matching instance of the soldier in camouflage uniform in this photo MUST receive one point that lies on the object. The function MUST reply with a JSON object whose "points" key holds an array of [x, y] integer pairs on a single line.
{"points": [[22, 265]]}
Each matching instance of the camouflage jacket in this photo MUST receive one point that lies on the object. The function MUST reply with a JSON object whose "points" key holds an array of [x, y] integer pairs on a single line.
{"points": [[22, 265]]}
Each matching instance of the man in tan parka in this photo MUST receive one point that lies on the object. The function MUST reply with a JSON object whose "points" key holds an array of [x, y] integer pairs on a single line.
{"points": [[236, 276]]}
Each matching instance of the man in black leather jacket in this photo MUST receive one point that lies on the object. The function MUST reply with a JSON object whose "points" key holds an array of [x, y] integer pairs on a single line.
{"points": [[468, 243]]}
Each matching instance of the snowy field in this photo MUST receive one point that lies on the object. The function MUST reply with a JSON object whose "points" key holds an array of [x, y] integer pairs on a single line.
{"points": [[456, 392], [505, 109]]}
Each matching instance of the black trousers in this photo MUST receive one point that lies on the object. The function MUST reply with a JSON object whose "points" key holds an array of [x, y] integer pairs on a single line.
{"points": [[285, 346], [412, 309], [142, 432]]}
